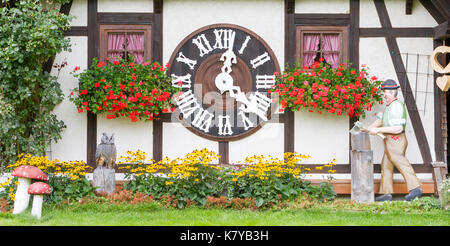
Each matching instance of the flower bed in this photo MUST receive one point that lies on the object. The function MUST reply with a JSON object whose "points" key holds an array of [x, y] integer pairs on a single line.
{"points": [[66, 178], [323, 89], [262, 181], [189, 181]]}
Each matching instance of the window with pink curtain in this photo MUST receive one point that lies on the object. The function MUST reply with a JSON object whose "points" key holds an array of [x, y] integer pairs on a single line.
{"points": [[136, 46], [330, 49], [310, 48], [321, 45], [124, 45], [116, 47]]}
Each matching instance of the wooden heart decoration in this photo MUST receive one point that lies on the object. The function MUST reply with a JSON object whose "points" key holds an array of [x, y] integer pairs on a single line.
{"points": [[443, 82], [434, 59]]}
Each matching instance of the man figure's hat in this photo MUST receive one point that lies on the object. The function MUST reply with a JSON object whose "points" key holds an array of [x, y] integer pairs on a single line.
{"points": [[389, 85]]}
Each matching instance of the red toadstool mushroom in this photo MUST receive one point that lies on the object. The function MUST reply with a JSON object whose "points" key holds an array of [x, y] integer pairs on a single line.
{"points": [[25, 174], [38, 189]]}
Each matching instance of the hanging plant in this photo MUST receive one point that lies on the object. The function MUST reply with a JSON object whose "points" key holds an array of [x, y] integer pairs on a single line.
{"points": [[124, 89], [321, 88]]}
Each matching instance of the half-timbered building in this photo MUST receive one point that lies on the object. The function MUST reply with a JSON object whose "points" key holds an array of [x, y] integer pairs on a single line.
{"points": [[393, 38]]}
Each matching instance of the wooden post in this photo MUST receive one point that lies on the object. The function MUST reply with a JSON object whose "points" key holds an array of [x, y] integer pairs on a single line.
{"points": [[362, 186]]}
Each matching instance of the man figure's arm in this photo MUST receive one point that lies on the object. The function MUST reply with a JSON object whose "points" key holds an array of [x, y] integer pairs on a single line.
{"points": [[395, 120]]}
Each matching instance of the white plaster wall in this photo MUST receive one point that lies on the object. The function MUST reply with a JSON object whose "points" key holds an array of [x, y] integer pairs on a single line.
{"points": [[419, 17], [269, 140], [322, 136], [128, 135], [79, 11], [179, 141], [368, 16], [322, 6], [375, 55], [72, 146], [142, 6], [266, 19]]}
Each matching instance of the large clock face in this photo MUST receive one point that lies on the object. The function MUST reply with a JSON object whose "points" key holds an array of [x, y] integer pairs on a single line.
{"points": [[224, 72]]}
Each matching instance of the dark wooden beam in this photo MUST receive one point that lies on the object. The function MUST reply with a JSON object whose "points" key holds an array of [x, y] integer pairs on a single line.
{"points": [[322, 19], [157, 55], [438, 98], [224, 152], [442, 31], [443, 6], [353, 48], [433, 10], [405, 32], [408, 7], [77, 31], [125, 18], [289, 58], [404, 84], [93, 51]]}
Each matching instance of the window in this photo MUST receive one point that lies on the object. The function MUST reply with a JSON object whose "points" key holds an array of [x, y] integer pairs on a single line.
{"points": [[327, 42], [125, 41]]}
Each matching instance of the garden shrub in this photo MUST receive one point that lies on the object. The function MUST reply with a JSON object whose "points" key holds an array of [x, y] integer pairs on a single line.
{"points": [[194, 180], [30, 36], [189, 179]]}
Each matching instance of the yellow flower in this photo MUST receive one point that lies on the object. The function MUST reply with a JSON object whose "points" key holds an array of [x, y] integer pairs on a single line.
{"points": [[234, 179], [169, 182]]}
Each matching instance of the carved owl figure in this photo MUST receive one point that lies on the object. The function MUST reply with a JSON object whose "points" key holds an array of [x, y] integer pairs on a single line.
{"points": [[106, 151]]}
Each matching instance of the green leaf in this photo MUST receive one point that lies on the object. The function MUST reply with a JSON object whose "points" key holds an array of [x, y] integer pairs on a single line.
{"points": [[259, 201]]}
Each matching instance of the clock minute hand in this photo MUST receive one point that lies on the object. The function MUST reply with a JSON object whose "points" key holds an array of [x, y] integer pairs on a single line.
{"points": [[248, 106]]}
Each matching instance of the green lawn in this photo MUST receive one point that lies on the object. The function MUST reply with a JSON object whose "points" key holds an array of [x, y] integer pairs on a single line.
{"points": [[152, 214]]}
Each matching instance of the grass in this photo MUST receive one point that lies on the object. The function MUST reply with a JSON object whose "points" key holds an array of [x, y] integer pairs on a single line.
{"points": [[341, 212]]}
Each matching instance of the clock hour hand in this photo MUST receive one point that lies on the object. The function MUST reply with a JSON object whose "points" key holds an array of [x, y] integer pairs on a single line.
{"points": [[228, 57]]}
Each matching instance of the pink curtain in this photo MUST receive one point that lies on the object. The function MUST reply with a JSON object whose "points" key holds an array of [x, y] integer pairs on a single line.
{"points": [[136, 42], [115, 42], [310, 43], [331, 43]]}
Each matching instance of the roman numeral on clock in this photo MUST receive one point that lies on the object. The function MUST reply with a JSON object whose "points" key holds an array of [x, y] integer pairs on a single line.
{"points": [[202, 44], [187, 103], [185, 60], [202, 120], [265, 81], [224, 127], [224, 38], [245, 120], [184, 79], [258, 61], [259, 104], [244, 45]]}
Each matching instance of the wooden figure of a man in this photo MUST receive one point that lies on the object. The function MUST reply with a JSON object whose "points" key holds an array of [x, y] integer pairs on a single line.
{"points": [[392, 123]]}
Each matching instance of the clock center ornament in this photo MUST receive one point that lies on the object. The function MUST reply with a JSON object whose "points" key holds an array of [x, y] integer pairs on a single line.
{"points": [[225, 72]]}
